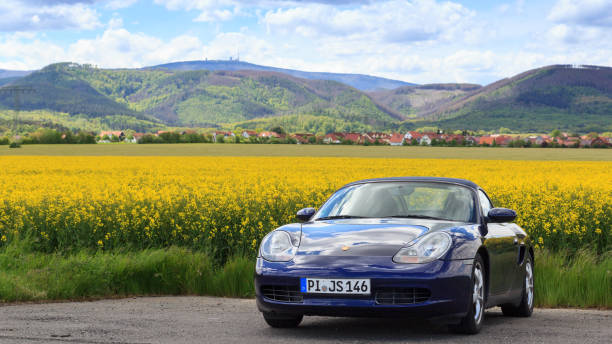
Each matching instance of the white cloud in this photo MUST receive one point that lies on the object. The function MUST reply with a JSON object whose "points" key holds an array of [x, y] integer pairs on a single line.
{"points": [[586, 22], [223, 10], [474, 66], [217, 15], [250, 48], [395, 21], [582, 12], [16, 52], [210, 10], [117, 47], [576, 34], [118, 4], [20, 16], [191, 4], [115, 22], [419, 41]]}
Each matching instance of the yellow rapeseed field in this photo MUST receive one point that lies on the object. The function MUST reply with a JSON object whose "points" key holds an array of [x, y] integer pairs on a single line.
{"points": [[227, 204]]}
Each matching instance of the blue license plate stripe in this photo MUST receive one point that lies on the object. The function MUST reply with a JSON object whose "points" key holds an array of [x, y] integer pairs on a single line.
{"points": [[303, 288]]}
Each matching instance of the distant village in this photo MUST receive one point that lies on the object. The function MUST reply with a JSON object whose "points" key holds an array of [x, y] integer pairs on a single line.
{"points": [[410, 138]]}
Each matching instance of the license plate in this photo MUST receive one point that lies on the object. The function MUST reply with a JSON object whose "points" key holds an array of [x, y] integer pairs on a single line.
{"points": [[335, 286]]}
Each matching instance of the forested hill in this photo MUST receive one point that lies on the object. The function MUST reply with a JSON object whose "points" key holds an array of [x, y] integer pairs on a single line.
{"points": [[559, 96], [9, 76], [196, 98], [540, 100], [57, 88], [415, 101], [359, 81]]}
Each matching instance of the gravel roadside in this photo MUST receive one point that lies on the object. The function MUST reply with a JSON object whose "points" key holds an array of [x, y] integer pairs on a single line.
{"points": [[223, 320]]}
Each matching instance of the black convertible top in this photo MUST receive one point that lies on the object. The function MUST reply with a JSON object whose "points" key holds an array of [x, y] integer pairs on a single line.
{"points": [[463, 182]]}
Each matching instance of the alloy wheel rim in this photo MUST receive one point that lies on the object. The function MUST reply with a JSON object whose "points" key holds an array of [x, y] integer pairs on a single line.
{"points": [[529, 284], [478, 294]]}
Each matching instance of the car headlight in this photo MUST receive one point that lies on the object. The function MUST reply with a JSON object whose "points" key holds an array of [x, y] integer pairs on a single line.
{"points": [[426, 249], [277, 247]]}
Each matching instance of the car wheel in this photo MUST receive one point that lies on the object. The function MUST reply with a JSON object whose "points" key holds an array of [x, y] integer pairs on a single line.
{"points": [[282, 321], [472, 322], [525, 307]]}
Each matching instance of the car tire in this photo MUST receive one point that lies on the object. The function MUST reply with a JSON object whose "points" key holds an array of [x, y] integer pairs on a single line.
{"points": [[525, 307], [472, 322], [282, 321]]}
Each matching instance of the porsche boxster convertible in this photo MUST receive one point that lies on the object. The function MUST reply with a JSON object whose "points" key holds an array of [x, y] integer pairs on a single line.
{"points": [[421, 247]]}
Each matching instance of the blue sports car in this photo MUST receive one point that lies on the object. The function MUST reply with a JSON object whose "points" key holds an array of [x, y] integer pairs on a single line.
{"points": [[421, 247]]}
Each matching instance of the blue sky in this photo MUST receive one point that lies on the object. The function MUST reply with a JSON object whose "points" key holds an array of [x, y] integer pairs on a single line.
{"points": [[422, 41]]}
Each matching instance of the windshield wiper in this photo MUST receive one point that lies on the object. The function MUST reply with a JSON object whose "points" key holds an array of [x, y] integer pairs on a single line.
{"points": [[336, 217], [415, 216]]}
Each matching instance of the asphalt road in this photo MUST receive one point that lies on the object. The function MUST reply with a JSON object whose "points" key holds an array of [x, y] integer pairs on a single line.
{"points": [[220, 320]]}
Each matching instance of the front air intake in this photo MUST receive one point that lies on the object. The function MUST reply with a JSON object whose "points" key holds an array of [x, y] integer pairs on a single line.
{"points": [[401, 296], [282, 293]]}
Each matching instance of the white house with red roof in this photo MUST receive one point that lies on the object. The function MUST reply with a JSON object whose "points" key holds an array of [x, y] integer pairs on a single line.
{"points": [[353, 137], [302, 138], [222, 133], [372, 137], [334, 138], [119, 134], [396, 139], [269, 134], [425, 139], [249, 133]]}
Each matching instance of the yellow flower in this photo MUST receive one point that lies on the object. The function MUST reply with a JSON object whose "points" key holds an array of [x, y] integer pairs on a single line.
{"points": [[234, 201]]}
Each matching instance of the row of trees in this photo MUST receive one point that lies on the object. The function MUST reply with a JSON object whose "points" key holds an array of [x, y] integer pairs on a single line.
{"points": [[205, 138], [52, 136], [176, 138]]}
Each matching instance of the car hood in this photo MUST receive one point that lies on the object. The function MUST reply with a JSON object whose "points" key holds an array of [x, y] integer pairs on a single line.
{"points": [[364, 237]]}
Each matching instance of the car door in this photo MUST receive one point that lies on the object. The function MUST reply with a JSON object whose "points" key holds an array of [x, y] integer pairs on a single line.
{"points": [[500, 243]]}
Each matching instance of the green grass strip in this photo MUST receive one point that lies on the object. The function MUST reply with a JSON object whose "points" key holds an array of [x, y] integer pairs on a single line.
{"points": [[173, 271], [582, 280]]}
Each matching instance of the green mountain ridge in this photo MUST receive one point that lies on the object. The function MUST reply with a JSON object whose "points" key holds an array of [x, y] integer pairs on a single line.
{"points": [[359, 81], [204, 98], [564, 97], [559, 96], [193, 98], [414, 101]]}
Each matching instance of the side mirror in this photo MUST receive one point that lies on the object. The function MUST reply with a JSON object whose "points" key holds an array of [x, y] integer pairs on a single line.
{"points": [[305, 214], [497, 215]]}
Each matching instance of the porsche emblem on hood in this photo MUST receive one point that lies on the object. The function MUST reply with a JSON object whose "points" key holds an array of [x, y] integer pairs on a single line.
{"points": [[345, 248]]}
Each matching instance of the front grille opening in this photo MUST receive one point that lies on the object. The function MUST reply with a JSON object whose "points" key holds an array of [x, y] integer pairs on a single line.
{"points": [[401, 296], [282, 293]]}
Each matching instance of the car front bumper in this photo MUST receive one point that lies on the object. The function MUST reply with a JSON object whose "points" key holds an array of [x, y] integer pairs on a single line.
{"points": [[447, 282]]}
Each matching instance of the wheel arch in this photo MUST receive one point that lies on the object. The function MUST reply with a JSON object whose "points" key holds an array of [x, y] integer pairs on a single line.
{"points": [[484, 254]]}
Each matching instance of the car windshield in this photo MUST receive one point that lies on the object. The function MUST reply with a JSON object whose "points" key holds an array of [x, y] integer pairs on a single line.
{"points": [[401, 199]]}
